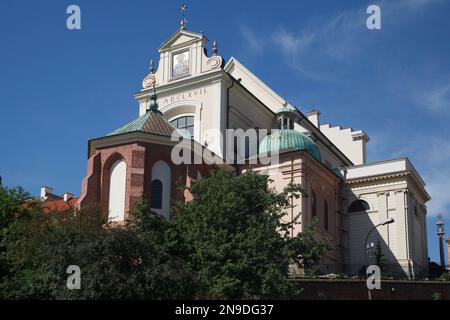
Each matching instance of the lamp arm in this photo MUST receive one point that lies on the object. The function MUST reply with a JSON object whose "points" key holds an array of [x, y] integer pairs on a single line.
{"points": [[367, 237]]}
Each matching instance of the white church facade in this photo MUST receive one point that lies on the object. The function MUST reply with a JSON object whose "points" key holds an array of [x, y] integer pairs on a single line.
{"points": [[204, 94]]}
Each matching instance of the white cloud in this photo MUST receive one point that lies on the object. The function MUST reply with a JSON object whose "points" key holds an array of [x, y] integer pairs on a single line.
{"points": [[335, 39], [328, 38], [430, 156], [290, 43], [436, 170], [294, 48], [253, 41], [328, 46], [439, 190], [419, 3], [437, 98]]}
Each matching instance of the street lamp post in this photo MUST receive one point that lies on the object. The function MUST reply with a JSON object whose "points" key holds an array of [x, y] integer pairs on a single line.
{"points": [[385, 222], [441, 233]]}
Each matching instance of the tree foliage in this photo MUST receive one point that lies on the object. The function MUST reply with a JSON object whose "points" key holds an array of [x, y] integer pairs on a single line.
{"points": [[11, 209], [380, 259], [237, 238], [115, 262], [232, 241]]}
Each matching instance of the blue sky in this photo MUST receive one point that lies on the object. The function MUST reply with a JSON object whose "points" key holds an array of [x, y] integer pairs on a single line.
{"points": [[59, 88]]}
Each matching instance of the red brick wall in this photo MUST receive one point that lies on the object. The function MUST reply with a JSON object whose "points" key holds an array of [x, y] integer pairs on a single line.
{"points": [[139, 158], [91, 190]]}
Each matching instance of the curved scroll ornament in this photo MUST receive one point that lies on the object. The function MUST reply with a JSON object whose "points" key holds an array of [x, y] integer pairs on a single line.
{"points": [[214, 62], [148, 81]]}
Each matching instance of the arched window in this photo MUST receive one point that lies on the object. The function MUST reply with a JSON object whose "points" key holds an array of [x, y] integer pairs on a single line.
{"points": [[358, 206], [325, 214], [247, 147], [160, 188], [117, 182], [157, 193], [313, 204], [184, 123], [291, 124]]}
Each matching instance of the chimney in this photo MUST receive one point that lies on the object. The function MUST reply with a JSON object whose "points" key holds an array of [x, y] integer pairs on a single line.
{"points": [[67, 196], [45, 192], [314, 116]]}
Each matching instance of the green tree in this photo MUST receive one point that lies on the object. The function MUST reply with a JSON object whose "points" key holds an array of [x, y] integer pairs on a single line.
{"points": [[231, 241], [11, 205], [11, 208], [380, 259], [235, 238], [116, 263]]}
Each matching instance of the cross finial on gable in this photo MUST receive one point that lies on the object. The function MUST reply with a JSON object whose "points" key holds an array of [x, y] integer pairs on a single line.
{"points": [[183, 22]]}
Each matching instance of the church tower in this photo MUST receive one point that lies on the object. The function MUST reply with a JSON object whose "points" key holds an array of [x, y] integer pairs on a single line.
{"points": [[191, 86], [135, 160]]}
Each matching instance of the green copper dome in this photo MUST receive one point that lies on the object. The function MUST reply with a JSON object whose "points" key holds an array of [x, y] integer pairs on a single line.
{"points": [[287, 140], [286, 109]]}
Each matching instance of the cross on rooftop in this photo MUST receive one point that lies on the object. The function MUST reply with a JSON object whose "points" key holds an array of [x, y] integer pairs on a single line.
{"points": [[183, 22]]}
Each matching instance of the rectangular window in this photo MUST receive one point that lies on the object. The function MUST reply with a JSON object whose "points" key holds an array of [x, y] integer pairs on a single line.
{"points": [[182, 122]]}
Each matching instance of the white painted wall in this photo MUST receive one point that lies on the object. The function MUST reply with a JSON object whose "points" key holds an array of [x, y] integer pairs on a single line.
{"points": [[351, 143], [389, 196], [117, 183], [250, 81], [275, 102], [161, 171]]}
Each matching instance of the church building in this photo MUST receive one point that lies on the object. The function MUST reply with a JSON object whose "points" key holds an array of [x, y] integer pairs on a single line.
{"points": [[197, 96]]}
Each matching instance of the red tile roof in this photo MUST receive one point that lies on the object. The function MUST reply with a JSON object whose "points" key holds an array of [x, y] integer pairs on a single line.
{"points": [[60, 205]]}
